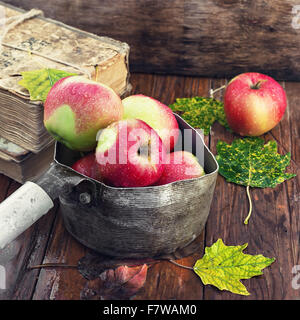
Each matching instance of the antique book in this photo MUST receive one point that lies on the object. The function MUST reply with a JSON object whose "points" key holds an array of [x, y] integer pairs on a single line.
{"points": [[23, 165], [31, 42]]}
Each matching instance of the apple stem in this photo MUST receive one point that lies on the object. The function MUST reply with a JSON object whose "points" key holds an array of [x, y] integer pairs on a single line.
{"points": [[180, 265], [212, 91], [250, 205], [258, 84]]}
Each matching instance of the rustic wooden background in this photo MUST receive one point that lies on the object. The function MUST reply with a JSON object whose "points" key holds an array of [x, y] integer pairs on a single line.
{"points": [[215, 38], [273, 229], [212, 39]]}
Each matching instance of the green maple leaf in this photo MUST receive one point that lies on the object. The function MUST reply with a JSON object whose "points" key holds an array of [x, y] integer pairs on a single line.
{"points": [[200, 112], [39, 82], [224, 266], [251, 163]]}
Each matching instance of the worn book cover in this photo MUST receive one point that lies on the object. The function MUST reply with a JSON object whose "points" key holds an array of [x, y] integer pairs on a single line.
{"points": [[21, 164], [29, 42]]}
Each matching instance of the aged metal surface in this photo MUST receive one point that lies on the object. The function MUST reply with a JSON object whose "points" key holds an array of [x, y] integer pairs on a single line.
{"points": [[141, 222]]}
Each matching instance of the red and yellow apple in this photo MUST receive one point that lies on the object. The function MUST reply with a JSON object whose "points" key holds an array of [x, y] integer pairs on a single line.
{"points": [[76, 108], [254, 103], [130, 154], [87, 166], [180, 165], [157, 115]]}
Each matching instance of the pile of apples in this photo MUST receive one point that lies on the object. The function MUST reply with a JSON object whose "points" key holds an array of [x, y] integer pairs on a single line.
{"points": [[131, 141]]}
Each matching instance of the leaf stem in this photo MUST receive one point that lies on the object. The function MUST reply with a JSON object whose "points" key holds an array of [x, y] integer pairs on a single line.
{"points": [[53, 265], [250, 205], [180, 265], [212, 91]]}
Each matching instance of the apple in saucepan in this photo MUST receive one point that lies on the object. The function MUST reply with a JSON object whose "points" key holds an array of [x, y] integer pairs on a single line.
{"points": [[180, 165], [156, 114], [87, 166], [130, 154], [76, 108]]}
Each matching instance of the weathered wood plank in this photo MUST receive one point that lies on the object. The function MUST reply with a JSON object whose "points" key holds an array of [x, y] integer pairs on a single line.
{"points": [[287, 134], [4, 183], [27, 249], [231, 37], [35, 243], [60, 283], [273, 229], [207, 38]]}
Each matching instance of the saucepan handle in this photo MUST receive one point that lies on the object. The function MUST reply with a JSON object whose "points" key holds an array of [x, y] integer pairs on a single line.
{"points": [[32, 200], [22, 209]]}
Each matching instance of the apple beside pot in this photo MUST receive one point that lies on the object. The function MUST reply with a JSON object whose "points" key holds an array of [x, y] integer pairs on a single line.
{"points": [[254, 103]]}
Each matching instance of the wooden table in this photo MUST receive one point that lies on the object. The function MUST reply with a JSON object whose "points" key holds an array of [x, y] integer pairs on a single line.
{"points": [[274, 228]]}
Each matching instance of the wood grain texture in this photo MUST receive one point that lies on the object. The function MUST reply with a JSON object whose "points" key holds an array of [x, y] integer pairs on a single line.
{"points": [[273, 229], [216, 38], [28, 249], [60, 283], [4, 182]]}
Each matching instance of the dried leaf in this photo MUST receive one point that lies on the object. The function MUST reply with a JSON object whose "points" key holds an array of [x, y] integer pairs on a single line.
{"points": [[93, 264], [123, 282]]}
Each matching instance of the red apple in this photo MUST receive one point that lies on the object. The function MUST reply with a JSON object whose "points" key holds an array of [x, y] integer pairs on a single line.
{"points": [[180, 165], [76, 108], [130, 154], [254, 103], [87, 166], [157, 115]]}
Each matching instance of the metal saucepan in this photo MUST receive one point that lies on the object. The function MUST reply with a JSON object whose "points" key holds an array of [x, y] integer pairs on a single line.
{"points": [[122, 222]]}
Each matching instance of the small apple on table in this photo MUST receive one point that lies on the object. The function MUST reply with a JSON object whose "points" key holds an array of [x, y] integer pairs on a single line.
{"points": [[254, 103]]}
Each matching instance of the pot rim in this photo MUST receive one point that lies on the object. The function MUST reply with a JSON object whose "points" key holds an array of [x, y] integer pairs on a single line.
{"points": [[148, 187]]}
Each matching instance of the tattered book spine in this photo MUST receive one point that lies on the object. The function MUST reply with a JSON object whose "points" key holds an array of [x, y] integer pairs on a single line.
{"points": [[31, 42]]}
